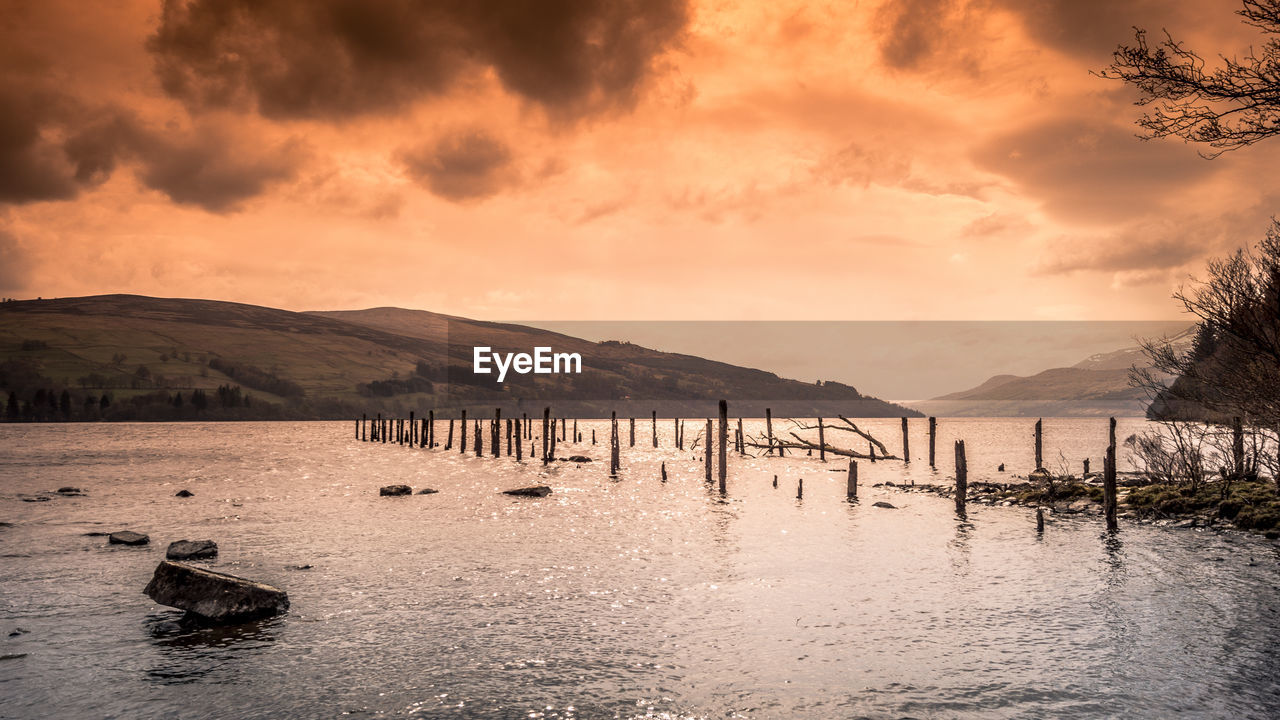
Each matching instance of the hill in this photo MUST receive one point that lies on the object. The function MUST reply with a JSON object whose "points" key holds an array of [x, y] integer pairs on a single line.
{"points": [[1097, 386], [167, 358]]}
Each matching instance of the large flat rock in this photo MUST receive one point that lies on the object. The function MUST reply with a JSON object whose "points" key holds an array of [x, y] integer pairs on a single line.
{"points": [[191, 550], [213, 596]]}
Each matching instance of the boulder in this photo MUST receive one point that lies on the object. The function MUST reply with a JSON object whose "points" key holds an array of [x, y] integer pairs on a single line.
{"points": [[68, 490], [883, 504], [427, 491], [128, 537], [396, 490], [212, 596], [578, 458], [192, 550], [535, 491], [1081, 505], [184, 493]]}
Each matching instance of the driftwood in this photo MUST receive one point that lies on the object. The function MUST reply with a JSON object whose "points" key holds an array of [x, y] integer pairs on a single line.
{"points": [[772, 442]]}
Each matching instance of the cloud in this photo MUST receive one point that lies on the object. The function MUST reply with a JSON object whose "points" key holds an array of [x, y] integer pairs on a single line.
{"points": [[1091, 28], [214, 168], [859, 165], [335, 59], [462, 166], [35, 166], [1086, 170]]}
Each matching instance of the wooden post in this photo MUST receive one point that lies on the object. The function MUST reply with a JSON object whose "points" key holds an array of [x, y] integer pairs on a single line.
{"points": [[553, 442], [675, 434], [1039, 444], [479, 440], [509, 437], [655, 428], [775, 481], [564, 428], [709, 449], [906, 443], [546, 423], [382, 429], [962, 478], [448, 445], [497, 430], [462, 428], [871, 451], [933, 436], [431, 428], [822, 441], [519, 441], [1040, 520], [1109, 488], [800, 489], [357, 429], [664, 471], [576, 436], [593, 436], [1237, 447], [724, 442], [633, 432], [1086, 466], [852, 491], [362, 433], [768, 427], [742, 443], [413, 429], [613, 445]]}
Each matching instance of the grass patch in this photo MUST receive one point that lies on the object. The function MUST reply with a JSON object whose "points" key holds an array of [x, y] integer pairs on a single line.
{"points": [[1251, 505]]}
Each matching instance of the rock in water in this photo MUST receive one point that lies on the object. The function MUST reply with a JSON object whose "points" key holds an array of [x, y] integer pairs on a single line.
{"points": [[579, 458], [213, 596], [184, 493], [396, 490], [68, 490], [427, 491], [883, 504], [192, 550], [1039, 475], [535, 491], [128, 537]]}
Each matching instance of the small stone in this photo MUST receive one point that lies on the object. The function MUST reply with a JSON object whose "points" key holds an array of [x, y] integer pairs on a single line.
{"points": [[68, 490], [37, 498], [12, 656], [393, 490], [1272, 534], [427, 491], [184, 493], [297, 567], [128, 537], [883, 504], [192, 550], [535, 491]]}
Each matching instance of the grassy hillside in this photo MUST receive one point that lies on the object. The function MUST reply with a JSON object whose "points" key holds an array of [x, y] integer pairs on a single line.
{"points": [[161, 358]]}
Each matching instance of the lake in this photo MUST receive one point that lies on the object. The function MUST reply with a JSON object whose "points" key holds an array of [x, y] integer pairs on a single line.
{"points": [[627, 598]]}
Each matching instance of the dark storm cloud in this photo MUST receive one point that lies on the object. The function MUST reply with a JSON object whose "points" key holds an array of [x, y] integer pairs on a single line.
{"points": [[33, 166], [1086, 170], [912, 30], [1093, 28], [213, 169], [467, 165], [339, 58], [15, 264]]}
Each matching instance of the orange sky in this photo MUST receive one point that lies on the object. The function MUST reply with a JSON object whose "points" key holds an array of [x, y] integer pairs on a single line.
{"points": [[920, 159]]}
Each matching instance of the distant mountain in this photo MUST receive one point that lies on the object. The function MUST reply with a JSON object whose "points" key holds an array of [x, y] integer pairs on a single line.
{"points": [[165, 358], [1096, 386]]}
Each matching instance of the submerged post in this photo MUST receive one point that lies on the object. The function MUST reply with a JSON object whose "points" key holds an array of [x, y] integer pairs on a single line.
{"points": [[497, 430], [709, 449], [724, 441], [800, 489], [479, 440], [519, 441], [413, 429], [822, 442], [431, 428], [546, 423], [742, 441], [664, 471], [933, 436], [509, 428], [1040, 520], [552, 451], [1109, 480], [462, 429], [655, 428], [852, 491], [448, 445], [768, 427], [906, 443], [633, 432], [576, 436], [613, 445], [1039, 444], [962, 477]]}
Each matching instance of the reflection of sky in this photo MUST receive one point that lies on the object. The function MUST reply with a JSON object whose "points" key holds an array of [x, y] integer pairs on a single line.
{"points": [[892, 360]]}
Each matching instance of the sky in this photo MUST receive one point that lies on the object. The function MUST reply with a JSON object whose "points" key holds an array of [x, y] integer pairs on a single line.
{"points": [[612, 159]]}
